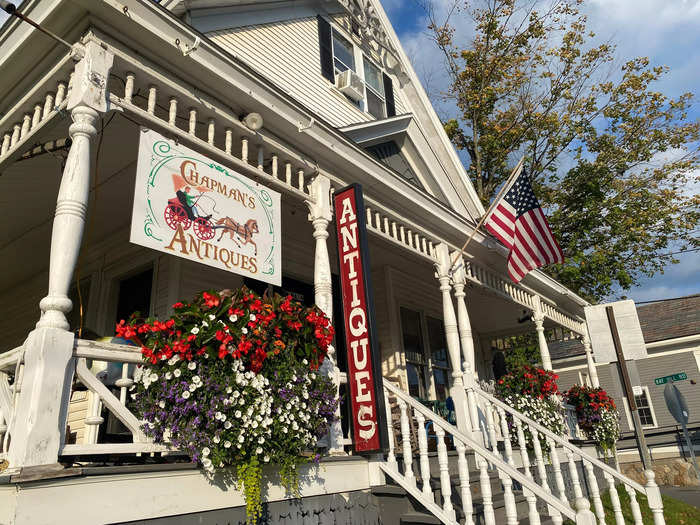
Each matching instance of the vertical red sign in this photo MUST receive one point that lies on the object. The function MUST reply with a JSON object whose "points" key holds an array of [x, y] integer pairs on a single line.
{"points": [[364, 361]]}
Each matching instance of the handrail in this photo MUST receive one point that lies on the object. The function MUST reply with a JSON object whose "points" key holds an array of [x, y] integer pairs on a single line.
{"points": [[9, 358], [103, 351], [494, 459], [563, 442]]}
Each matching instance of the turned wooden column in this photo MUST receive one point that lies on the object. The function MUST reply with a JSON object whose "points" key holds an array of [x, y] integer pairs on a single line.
{"points": [[538, 319], [320, 215], [39, 423]]}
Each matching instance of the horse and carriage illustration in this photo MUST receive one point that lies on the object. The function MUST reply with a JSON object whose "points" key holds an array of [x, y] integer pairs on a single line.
{"points": [[183, 210]]}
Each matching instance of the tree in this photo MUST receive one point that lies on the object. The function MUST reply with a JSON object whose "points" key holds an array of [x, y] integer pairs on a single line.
{"points": [[532, 81]]}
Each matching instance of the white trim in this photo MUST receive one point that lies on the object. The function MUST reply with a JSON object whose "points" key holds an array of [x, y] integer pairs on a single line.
{"points": [[630, 424], [675, 341]]}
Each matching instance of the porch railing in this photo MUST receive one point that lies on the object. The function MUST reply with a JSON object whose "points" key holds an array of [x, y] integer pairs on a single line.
{"points": [[548, 448], [11, 371]]}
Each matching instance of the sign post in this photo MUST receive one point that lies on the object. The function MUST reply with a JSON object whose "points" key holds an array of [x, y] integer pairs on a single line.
{"points": [[638, 432], [677, 406], [370, 433]]}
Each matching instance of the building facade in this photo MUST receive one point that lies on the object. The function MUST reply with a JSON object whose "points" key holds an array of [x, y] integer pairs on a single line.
{"points": [[304, 98]]}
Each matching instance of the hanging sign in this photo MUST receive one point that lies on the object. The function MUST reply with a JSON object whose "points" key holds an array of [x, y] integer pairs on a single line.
{"points": [[189, 206], [364, 364], [628, 327]]}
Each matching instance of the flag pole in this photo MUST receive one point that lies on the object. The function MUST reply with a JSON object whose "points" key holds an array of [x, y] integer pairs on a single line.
{"points": [[513, 175]]}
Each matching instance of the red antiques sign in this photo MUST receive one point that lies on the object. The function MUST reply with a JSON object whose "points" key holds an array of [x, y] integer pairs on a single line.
{"points": [[364, 363]]}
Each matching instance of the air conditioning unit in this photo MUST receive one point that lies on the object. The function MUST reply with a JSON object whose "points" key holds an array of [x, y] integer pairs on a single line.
{"points": [[350, 84]]}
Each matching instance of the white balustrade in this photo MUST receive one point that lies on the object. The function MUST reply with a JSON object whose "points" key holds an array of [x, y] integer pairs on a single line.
{"points": [[424, 462]]}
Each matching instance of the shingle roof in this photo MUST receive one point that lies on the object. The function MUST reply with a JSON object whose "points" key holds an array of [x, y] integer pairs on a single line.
{"points": [[660, 320]]}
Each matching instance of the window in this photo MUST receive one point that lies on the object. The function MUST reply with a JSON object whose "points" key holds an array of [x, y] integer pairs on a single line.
{"points": [[645, 409], [413, 347], [439, 357], [374, 90], [135, 295], [343, 54]]}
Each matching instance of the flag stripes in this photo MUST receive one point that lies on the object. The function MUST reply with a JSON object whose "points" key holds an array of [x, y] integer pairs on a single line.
{"points": [[520, 224]]}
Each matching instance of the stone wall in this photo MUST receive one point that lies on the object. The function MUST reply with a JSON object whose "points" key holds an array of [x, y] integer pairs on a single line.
{"points": [[669, 472]]}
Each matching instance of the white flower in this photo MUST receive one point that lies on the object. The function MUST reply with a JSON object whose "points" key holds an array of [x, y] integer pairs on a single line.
{"points": [[252, 317], [244, 330], [196, 380], [227, 444], [255, 424], [186, 394], [305, 362], [216, 439], [261, 440], [237, 414], [177, 372], [266, 458], [211, 317], [206, 463], [284, 429], [193, 388], [258, 450], [154, 377], [205, 324], [195, 330], [227, 425], [233, 318], [241, 439], [161, 404], [228, 389], [206, 451], [236, 393], [192, 365], [168, 375], [218, 415]]}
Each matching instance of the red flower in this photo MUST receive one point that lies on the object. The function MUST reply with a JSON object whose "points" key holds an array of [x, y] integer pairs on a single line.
{"points": [[211, 300]]}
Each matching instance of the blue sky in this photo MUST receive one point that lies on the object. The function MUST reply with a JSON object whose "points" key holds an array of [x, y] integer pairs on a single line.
{"points": [[664, 30]]}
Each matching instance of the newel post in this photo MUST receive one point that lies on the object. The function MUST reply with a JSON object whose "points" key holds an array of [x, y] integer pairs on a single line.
{"points": [[466, 338], [457, 392], [320, 215], [38, 429], [538, 318]]}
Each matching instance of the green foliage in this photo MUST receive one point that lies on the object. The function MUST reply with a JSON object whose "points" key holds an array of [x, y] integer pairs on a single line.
{"points": [[523, 351], [531, 81]]}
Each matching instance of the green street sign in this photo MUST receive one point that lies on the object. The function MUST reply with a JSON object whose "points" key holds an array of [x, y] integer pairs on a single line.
{"points": [[673, 377]]}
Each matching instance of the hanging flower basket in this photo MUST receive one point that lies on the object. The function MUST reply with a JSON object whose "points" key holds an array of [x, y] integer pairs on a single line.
{"points": [[534, 392], [232, 379], [597, 416]]}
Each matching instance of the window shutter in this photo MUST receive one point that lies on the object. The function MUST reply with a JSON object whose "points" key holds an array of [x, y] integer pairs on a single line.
{"points": [[389, 94], [326, 46]]}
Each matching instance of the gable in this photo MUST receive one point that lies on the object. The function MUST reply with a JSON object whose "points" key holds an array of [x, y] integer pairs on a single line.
{"points": [[281, 40]]}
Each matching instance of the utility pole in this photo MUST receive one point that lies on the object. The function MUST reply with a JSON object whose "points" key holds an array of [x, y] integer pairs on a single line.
{"points": [[638, 432]]}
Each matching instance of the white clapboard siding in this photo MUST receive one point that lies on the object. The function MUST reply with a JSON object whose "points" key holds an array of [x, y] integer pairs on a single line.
{"points": [[77, 412], [288, 54]]}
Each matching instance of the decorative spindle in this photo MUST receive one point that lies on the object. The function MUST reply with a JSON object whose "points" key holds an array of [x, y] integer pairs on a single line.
{"points": [[151, 107], [244, 149], [300, 176], [60, 93], [210, 131], [654, 498], [556, 467], [15, 135], [193, 121], [614, 499], [533, 514], [261, 157], [228, 141], [406, 444], [36, 117], [274, 166], [391, 456], [595, 492], [5, 143], [445, 485], [464, 489], [573, 472], [124, 382], [26, 126], [508, 496], [288, 173], [424, 462], [129, 87], [485, 483], [172, 112], [48, 106]]}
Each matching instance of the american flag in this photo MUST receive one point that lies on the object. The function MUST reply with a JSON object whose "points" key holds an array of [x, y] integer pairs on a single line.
{"points": [[518, 222]]}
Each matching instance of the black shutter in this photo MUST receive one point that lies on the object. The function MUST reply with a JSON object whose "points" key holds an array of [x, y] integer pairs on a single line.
{"points": [[324, 42], [389, 94]]}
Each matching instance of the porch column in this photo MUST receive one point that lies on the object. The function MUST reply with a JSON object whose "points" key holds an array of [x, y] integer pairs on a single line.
{"points": [[592, 371], [466, 338], [320, 215], [39, 423], [538, 318], [457, 392]]}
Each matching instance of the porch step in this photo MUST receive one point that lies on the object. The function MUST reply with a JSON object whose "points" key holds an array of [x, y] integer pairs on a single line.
{"points": [[419, 518]]}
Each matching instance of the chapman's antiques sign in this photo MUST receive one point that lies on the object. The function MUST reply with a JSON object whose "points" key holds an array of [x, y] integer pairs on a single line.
{"points": [[364, 361], [190, 206]]}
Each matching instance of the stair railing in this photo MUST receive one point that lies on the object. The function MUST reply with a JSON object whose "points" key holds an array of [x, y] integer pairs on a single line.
{"points": [[403, 474], [497, 410]]}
